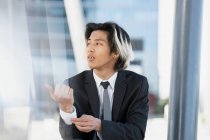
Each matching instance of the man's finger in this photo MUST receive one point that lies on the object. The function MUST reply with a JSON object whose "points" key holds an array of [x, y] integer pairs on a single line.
{"points": [[70, 92], [50, 91], [66, 90], [82, 124], [57, 88], [84, 129], [77, 120]]}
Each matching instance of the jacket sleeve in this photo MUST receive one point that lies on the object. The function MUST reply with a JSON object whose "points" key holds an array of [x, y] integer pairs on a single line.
{"points": [[136, 118], [68, 132]]}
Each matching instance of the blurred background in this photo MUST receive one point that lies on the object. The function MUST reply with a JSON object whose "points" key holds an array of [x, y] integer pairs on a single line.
{"points": [[42, 42]]}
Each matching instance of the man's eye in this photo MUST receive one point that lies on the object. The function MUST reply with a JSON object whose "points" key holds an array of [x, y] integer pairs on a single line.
{"points": [[98, 44]]}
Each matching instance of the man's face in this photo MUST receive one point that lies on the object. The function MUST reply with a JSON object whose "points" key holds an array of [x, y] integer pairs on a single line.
{"points": [[98, 51]]}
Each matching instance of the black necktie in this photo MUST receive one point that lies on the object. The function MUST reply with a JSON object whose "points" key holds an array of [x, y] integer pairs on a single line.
{"points": [[106, 102]]}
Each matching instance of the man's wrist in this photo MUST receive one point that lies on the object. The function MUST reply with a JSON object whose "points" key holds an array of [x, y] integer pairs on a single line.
{"points": [[98, 125], [67, 109], [67, 116]]}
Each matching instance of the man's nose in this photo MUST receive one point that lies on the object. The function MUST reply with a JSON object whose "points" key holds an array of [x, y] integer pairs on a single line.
{"points": [[90, 48]]}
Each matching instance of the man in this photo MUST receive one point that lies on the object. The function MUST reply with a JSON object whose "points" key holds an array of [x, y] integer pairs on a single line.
{"points": [[106, 102]]}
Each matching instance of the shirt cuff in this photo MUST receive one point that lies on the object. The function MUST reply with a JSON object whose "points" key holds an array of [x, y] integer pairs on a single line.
{"points": [[67, 116]]}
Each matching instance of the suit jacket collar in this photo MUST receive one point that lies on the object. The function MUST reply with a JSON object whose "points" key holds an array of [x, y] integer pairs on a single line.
{"points": [[119, 93], [120, 88], [92, 92]]}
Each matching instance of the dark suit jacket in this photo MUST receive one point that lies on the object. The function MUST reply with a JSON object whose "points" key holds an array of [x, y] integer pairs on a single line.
{"points": [[129, 110]]}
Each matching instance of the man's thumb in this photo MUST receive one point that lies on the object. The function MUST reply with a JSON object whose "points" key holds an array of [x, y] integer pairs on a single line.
{"points": [[50, 90]]}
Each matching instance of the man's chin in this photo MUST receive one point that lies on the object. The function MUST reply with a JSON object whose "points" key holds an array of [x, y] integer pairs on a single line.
{"points": [[91, 66]]}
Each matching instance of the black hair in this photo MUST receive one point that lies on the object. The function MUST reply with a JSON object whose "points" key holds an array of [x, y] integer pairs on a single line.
{"points": [[119, 41]]}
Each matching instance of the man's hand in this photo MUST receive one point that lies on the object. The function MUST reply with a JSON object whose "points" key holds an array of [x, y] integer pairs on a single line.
{"points": [[63, 95], [87, 123]]}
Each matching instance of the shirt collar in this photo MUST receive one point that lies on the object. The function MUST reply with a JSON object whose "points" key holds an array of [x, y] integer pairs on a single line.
{"points": [[111, 80]]}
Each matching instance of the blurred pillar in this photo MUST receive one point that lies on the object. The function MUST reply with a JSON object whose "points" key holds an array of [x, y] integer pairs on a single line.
{"points": [[3, 4], [76, 24], [1, 116], [185, 71], [205, 64]]}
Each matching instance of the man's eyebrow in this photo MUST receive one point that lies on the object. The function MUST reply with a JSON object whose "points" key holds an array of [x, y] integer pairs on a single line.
{"points": [[98, 39]]}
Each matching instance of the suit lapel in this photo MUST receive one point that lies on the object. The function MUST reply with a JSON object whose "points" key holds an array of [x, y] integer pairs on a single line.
{"points": [[119, 92], [92, 93]]}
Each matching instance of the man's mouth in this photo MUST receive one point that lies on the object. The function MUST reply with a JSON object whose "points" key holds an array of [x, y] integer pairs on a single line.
{"points": [[90, 58]]}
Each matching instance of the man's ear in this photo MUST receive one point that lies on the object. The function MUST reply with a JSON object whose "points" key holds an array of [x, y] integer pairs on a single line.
{"points": [[115, 55]]}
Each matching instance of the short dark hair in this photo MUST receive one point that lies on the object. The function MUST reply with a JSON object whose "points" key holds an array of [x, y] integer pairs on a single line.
{"points": [[119, 41]]}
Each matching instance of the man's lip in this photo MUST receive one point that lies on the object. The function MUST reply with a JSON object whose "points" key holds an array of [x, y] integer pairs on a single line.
{"points": [[90, 57]]}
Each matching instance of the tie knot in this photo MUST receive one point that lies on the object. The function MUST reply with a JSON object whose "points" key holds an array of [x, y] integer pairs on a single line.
{"points": [[105, 84]]}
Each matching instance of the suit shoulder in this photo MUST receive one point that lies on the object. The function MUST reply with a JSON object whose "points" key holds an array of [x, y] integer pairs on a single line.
{"points": [[133, 75], [134, 79], [77, 78]]}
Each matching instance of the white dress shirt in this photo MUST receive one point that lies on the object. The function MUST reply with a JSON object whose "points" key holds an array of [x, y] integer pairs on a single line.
{"points": [[67, 116]]}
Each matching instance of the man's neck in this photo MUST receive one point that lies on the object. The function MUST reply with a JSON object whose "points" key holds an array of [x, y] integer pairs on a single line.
{"points": [[104, 74]]}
